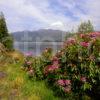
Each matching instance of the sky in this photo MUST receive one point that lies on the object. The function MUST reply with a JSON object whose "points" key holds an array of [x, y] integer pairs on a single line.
{"points": [[49, 14]]}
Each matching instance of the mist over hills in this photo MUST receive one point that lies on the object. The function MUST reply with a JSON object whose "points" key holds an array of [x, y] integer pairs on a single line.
{"points": [[49, 35]]}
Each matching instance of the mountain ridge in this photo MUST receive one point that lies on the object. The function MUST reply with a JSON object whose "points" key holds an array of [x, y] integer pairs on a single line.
{"points": [[56, 35]]}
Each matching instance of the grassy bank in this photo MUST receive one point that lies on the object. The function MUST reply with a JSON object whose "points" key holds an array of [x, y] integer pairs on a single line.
{"points": [[16, 85]]}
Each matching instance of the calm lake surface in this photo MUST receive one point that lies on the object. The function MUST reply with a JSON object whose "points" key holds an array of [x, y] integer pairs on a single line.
{"points": [[36, 47]]}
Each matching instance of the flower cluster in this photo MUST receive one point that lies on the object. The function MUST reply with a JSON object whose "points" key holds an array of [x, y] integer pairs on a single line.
{"points": [[30, 72], [83, 36], [90, 35], [83, 79], [28, 54], [94, 34], [84, 44], [70, 41], [28, 65], [65, 84], [67, 71], [53, 67], [81, 73]]}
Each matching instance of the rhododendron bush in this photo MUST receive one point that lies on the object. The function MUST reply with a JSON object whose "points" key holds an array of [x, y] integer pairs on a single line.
{"points": [[34, 66], [75, 69]]}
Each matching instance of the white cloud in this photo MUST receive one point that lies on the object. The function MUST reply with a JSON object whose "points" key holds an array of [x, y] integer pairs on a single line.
{"points": [[57, 25], [42, 11]]}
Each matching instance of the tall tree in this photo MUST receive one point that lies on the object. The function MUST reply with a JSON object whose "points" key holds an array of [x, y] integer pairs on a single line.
{"points": [[85, 27], [3, 27], [5, 37]]}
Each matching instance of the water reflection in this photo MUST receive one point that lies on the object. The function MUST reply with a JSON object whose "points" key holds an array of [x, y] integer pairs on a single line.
{"points": [[36, 47]]}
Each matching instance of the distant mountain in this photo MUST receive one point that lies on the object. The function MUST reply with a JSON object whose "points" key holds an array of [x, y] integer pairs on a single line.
{"points": [[39, 35], [37, 41]]}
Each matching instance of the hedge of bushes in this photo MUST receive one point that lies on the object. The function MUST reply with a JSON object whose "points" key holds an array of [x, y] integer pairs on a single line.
{"points": [[72, 72]]}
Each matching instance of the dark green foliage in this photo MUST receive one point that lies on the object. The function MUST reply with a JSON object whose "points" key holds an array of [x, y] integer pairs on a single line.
{"points": [[8, 42], [3, 27], [5, 38]]}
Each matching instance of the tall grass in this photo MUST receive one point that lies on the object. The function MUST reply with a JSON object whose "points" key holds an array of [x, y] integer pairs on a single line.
{"points": [[16, 85]]}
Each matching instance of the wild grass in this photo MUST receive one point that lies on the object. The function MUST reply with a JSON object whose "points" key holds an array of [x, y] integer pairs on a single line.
{"points": [[16, 85]]}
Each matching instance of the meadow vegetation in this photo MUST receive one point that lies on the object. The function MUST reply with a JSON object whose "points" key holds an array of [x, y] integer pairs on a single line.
{"points": [[72, 73]]}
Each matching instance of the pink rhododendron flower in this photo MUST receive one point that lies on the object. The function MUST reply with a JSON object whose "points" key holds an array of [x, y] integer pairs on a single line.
{"points": [[82, 35], [31, 72], [67, 82], [55, 63], [61, 82], [55, 67], [28, 63], [83, 79], [55, 58], [69, 41], [67, 89], [52, 68], [64, 82], [94, 34], [28, 54], [84, 44], [72, 40]]}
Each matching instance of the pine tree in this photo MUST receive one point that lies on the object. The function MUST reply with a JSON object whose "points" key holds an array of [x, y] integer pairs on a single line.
{"points": [[85, 27], [3, 28], [5, 37]]}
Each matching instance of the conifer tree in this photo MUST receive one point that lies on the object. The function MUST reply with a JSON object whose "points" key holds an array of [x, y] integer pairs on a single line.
{"points": [[5, 37], [3, 27]]}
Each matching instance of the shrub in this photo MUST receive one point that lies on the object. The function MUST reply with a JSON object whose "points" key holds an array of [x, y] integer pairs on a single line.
{"points": [[77, 63], [74, 71], [8, 42], [38, 63]]}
